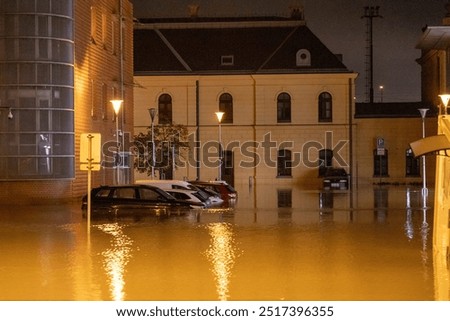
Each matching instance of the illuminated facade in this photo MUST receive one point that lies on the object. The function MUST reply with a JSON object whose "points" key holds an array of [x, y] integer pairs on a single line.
{"points": [[60, 64], [434, 44], [273, 79], [287, 100]]}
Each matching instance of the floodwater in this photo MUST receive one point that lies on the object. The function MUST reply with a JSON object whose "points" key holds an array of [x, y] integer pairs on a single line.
{"points": [[312, 252]]}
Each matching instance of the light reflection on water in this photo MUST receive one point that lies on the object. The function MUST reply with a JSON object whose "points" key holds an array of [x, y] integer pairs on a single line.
{"points": [[240, 254], [222, 254], [116, 258]]}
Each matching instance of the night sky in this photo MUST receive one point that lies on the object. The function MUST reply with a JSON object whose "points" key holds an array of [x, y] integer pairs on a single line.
{"points": [[339, 25]]}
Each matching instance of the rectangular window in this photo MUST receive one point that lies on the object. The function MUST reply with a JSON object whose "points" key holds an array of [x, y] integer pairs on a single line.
{"points": [[104, 29], [93, 23], [325, 160], [104, 102], [122, 44], [227, 60], [284, 198], [43, 48], [92, 99], [113, 35], [380, 163], [284, 163], [412, 164], [43, 26]]}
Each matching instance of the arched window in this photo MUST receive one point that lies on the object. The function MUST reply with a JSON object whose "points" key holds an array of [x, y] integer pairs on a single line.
{"points": [[165, 109], [284, 108], [284, 163], [325, 107], [226, 106]]}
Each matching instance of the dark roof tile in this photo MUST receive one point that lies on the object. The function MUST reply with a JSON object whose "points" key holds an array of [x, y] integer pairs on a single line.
{"points": [[255, 49]]}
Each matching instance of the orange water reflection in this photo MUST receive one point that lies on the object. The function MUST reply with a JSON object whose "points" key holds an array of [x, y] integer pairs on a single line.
{"points": [[222, 255], [262, 254], [116, 258]]}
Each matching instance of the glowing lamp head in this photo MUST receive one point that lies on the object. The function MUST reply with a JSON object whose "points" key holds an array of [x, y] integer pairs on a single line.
{"points": [[117, 103], [445, 98], [219, 115]]}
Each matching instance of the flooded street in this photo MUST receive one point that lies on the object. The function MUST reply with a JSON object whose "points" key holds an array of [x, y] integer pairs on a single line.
{"points": [[372, 250]]}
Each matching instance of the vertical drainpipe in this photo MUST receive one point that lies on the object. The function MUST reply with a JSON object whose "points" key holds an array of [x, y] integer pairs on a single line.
{"points": [[121, 84], [197, 129], [350, 135], [121, 52], [255, 203]]}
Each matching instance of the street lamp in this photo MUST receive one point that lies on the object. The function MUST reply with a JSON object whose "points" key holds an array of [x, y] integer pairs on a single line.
{"points": [[445, 98], [117, 103], [381, 93], [219, 115], [152, 112], [423, 114]]}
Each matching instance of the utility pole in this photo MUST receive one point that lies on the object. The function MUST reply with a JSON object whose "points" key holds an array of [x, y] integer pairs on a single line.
{"points": [[369, 14]]}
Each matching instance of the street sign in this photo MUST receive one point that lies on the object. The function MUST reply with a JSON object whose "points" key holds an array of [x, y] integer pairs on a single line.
{"points": [[90, 151], [380, 142], [380, 146], [90, 157]]}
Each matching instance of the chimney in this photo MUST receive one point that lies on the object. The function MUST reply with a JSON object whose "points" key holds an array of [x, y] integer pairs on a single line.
{"points": [[297, 12], [193, 10]]}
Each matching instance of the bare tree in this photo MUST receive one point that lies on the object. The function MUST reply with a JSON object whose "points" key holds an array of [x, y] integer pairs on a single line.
{"points": [[171, 149]]}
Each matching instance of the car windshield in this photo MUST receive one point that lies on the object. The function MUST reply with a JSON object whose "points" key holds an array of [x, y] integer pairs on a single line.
{"points": [[201, 195], [210, 191], [166, 195], [155, 194], [230, 188], [199, 191]]}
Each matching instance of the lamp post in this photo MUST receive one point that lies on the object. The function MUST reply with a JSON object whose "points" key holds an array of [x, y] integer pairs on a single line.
{"points": [[219, 115], [381, 93], [117, 103], [152, 112], [423, 114]]}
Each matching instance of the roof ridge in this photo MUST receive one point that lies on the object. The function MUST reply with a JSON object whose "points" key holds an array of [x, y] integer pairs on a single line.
{"points": [[173, 50], [278, 48]]}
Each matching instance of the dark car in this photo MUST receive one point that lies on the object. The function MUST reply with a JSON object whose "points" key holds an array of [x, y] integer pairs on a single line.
{"points": [[335, 178], [116, 201], [226, 191]]}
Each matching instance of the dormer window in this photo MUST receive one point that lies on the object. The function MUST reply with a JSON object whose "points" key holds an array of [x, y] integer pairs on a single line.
{"points": [[303, 58], [227, 60]]}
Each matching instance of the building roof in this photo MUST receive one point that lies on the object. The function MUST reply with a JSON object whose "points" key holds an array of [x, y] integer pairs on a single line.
{"points": [[252, 45], [435, 37], [391, 110]]}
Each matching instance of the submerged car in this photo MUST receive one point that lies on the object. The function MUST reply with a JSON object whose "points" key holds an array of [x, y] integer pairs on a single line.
{"points": [[114, 201], [335, 178], [172, 185], [191, 195], [227, 193], [213, 196]]}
